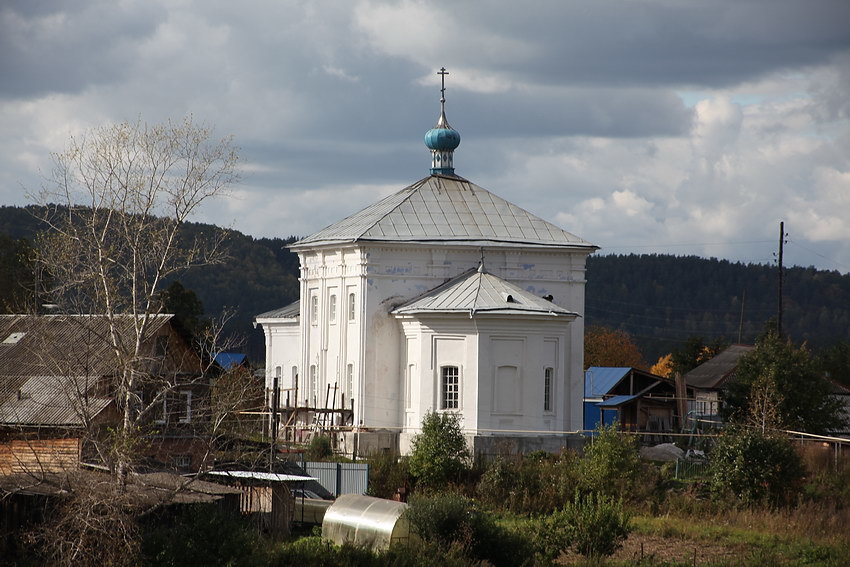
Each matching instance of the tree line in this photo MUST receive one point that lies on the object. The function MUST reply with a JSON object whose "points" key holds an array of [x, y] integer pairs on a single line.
{"points": [[659, 300]]}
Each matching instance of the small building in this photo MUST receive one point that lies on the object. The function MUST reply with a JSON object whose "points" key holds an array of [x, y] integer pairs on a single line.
{"points": [[58, 386], [638, 400], [707, 380]]}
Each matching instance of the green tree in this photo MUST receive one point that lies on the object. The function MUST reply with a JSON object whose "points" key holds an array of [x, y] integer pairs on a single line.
{"points": [[802, 396], [594, 525], [440, 454], [756, 467], [185, 306], [834, 362], [694, 352], [611, 463]]}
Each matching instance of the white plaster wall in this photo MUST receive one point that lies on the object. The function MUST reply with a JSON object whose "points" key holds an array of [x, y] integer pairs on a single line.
{"points": [[283, 350], [384, 276]]}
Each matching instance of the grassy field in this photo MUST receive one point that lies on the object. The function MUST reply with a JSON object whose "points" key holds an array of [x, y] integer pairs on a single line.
{"points": [[807, 535]]}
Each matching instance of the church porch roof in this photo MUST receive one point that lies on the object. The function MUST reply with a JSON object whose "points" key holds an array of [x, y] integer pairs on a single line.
{"points": [[476, 291]]}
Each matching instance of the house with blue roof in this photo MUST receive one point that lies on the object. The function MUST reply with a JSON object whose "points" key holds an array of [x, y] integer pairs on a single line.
{"points": [[636, 399]]}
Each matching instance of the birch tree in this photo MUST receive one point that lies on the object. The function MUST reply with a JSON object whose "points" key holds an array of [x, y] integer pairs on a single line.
{"points": [[115, 205]]}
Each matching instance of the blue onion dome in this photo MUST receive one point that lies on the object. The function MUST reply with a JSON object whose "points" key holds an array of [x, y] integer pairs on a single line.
{"points": [[442, 137]]}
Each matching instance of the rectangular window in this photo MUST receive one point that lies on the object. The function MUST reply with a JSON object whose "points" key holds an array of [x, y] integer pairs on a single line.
{"points": [[161, 409], [185, 407], [548, 384], [332, 309], [449, 387], [351, 304], [314, 309]]}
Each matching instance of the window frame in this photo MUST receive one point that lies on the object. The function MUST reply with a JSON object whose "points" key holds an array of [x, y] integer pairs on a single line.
{"points": [[548, 389], [449, 393], [352, 307]]}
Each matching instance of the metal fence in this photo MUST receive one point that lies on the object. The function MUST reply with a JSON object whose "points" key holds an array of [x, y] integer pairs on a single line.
{"points": [[340, 478]]}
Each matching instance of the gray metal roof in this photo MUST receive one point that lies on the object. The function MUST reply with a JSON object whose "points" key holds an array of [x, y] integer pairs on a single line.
{"points": [[445, 209], [52, 401], [288, 312], [479, 292], [713, 373], [49, 373]]}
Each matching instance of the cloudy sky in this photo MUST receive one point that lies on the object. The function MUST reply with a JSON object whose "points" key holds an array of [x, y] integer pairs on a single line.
{"points": [[668, 126]]}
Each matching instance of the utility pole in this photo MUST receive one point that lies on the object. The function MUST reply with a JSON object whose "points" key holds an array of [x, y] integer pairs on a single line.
{"points": [[781, 244]]}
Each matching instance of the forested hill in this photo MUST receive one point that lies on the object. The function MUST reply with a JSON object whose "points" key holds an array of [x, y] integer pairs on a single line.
{"points": [[660, 300]]}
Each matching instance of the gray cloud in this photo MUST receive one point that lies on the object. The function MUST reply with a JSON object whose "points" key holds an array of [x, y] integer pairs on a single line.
{"points": [[660, 126]]}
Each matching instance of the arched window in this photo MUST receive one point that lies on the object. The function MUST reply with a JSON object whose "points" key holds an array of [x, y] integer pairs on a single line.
{"points": [[314, 309], [332, 309], [548, 388], [351, 306]]}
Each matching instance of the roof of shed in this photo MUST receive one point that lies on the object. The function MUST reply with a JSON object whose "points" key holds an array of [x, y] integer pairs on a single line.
{"points": [[476, 291], [616, 401], [598, 380], [445, 209], [713, 373]]}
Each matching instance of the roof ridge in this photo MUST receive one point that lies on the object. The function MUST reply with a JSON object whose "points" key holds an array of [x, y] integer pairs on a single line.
{"points": [[412, 189]]}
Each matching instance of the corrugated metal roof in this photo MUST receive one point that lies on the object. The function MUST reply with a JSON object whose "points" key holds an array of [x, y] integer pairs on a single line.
{"points": [[713, 373], [52, 401], [616, 401], [49, 376], [479, 292], [598, 380], [445, 209], [288, 312]]}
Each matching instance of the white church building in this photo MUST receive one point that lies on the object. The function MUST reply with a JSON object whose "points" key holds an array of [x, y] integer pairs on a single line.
{"points": [[441, 297]]}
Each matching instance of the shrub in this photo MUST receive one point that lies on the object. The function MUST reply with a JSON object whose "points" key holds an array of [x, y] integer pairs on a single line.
{"points": [[387, 473], [611, 462], [533, 484], [439, 453], [755, 467], [592, 525], [319, 448], [200, 535], [452, 522]]}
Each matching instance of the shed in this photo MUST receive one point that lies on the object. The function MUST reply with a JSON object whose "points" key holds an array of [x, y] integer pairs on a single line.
{"points": [[366, 521]]}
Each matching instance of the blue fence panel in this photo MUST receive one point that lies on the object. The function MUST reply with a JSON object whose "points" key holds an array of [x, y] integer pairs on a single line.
{"points": [[340, 478]]}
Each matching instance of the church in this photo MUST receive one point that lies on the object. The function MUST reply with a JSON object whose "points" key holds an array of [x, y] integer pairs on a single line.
{"points": [[442, 297]]}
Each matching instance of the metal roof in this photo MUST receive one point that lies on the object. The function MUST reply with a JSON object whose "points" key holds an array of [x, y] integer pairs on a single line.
{"points": [[445, 209], [598, 380], [52, 401], [616, 401], [713, 373], [476, 291], [50, 374], [257, 475], [290, 311], [228, 360]]}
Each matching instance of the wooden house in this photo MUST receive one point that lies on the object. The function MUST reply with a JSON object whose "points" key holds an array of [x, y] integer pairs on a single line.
{"points": [[59, 387], [636, 399]]}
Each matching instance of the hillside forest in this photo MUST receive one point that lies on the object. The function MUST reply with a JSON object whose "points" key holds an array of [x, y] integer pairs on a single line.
{"points": [[661, 301]]}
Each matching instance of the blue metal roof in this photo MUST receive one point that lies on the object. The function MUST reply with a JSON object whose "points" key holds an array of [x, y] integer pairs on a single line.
{"points": [[598, 380], [228, 360], [616, 401]]}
